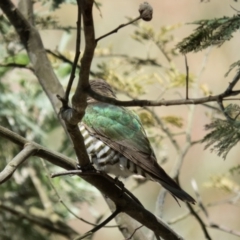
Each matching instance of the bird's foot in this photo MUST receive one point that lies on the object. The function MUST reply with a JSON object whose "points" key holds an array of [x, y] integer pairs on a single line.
{"points": [[88, 168]]}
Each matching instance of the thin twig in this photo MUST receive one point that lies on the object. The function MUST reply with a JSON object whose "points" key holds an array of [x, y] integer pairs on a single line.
{"points": [[200, 221], [233, 83], [224, 229], [32, 42], [42, 192], [199, 199], [187, 76], [12, 166], [17, 65], [135, 230], [91, 172], [89, 233], [63, 58], [77, 54], [63, 203], [220, 103], [116, 29]]}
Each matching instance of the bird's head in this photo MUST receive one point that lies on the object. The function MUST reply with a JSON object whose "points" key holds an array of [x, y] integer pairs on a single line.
{"points": [[102, 87]]}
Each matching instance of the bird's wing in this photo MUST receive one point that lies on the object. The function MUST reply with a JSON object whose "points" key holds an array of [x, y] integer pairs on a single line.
{"points": [[121, 129]]}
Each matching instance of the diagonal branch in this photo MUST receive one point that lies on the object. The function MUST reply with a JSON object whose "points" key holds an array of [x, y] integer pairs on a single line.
{"points": [[32, 42], [55, 158], [11, 167], [108, 188], [77, 55], [95, 229], [145, 10], [116, 29]]}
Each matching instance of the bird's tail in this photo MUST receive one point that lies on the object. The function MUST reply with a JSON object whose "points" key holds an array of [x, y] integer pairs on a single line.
{"points": [[176, 191]]}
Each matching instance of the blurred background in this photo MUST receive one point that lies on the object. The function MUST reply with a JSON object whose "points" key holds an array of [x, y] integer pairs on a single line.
{"points": [[207, 73]]}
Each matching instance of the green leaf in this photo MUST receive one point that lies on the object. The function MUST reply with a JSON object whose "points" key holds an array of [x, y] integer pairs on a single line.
{"points": [[225, 134], [210, 32]]}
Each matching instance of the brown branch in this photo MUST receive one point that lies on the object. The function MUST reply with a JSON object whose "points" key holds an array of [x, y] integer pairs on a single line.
{"points": [[11, 167], [187, 76], [116, 29], [53, 157], [200, 221], [32, 42], [224, 229], [17, 65], [142, 103], [135, 230], [204, 210], [61, 57], [72, 116], [63, 203], [145, 11], [94, 172], [101, 225], [233, 83], [108, 188], [77, 55]]}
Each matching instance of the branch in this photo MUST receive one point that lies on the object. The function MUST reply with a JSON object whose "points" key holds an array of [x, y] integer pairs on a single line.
{"points": [[145, 11], [72, 116], [224, 229], [108, 188], [142, 103], [62, 202], [200, 221], [11, 167], [187, 75], [63, 58], [77, 54], [116, 29], [106, 221], [53, 157], [126, 224], [32, 42], [16, 65]]}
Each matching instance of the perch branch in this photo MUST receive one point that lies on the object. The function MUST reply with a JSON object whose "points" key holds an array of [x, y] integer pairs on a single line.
{"points": [[109, 188], [11, 167]]}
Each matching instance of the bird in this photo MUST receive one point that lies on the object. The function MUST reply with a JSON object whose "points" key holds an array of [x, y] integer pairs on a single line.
{"points": [[117, 143]]}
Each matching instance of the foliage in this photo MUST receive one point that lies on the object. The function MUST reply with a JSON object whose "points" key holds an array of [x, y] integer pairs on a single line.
{"points": [[210, 32], [224, 133], [223, 182], [162, 38]]}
